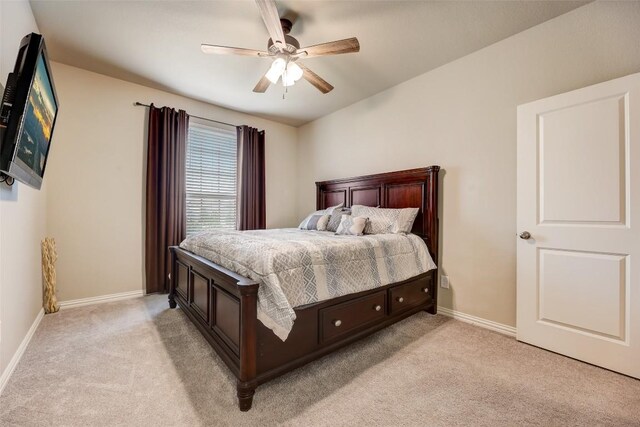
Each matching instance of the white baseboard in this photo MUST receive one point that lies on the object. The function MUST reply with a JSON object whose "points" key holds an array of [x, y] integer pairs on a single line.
{"points": [[478, 321], [4, 378], [100, 299]]}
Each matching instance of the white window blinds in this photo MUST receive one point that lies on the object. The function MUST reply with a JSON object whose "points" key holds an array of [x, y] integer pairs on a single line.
{"points": [[211, 178]]}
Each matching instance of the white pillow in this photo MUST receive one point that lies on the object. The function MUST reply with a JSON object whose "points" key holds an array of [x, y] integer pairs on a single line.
{"points": [[328, 211], [352, 225], [385, 220], [406, 218]]}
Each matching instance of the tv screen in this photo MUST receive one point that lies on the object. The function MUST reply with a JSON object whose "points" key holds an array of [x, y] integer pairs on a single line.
{"points": [[29, 111], [37, 124]]}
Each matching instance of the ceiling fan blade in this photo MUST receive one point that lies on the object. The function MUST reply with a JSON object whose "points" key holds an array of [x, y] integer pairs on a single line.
{"points": [[331, 48], [271, 19], [225, 50], [263, 85], [315, 79]]}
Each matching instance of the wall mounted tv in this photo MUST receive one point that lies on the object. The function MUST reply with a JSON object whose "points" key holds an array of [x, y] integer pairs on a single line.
{"points": [[28, 114]]}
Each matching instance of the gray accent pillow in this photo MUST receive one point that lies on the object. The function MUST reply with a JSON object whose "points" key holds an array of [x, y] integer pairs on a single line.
{"points": [[336, 217], [386, 221], [317, 222], [328, 211], [352, 225]]}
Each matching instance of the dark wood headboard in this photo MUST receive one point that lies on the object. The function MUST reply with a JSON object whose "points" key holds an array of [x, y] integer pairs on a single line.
{"points": [[414, 188]]}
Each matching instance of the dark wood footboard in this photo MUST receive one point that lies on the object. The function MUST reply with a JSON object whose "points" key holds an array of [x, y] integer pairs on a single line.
{"points": [[223, 305]]}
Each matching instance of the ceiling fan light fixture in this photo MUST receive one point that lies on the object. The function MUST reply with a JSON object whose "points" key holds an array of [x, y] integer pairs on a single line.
{"points": [[284, 50], [276, 70]]}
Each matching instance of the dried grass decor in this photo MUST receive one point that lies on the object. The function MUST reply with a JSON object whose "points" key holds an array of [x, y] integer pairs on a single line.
{"points": [[49, 258]]}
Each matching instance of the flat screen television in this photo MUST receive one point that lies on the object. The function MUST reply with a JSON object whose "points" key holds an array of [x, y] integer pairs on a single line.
{"points": [[28, 114]]}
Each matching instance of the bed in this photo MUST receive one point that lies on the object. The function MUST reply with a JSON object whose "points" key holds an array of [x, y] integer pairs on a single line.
{"points": [[224, 305]]}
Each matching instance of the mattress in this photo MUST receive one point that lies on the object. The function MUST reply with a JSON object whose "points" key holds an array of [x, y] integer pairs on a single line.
{"points": [[299, 267]]}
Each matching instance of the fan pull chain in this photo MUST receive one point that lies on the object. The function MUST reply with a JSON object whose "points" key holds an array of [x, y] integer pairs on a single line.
{"points": [[286, 88]]}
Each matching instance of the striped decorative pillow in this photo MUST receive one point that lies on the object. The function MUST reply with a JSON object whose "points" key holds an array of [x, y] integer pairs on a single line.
{"points": [[317, 222]]}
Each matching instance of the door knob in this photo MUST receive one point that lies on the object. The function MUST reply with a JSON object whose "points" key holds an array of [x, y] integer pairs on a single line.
{"points": [[525, 235]]}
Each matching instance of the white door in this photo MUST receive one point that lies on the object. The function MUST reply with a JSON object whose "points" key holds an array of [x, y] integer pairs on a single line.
{"points": [[579, 200]]}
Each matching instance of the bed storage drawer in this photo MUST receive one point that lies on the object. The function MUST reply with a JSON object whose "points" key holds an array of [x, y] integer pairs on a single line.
{"points": [[410, 295], [347, 316]]}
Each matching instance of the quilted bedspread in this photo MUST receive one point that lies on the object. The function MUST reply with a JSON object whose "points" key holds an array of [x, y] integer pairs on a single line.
{"points": [[298, 267]]}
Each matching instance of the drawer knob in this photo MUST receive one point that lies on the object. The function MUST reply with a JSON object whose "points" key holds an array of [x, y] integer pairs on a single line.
{"points": [[337, 323], [400, 299], [425, 290], [378, 307]]}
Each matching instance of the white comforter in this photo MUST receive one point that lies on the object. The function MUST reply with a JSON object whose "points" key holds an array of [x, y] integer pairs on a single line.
{"points": [[298, 267]]}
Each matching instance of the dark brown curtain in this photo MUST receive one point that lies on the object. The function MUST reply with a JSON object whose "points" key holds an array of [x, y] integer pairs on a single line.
{"points": [[251, 179], [165, 214]]}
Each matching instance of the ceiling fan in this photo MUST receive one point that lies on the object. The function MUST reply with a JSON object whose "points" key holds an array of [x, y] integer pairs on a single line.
{"points": [[285, 51]]}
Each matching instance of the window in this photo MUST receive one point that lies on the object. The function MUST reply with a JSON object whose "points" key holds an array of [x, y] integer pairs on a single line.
{"points": [[211, 178]]}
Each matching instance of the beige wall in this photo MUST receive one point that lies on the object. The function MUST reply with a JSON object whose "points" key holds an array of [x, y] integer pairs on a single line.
{"points": [[22, 215], [462, 116], [96, 178]]}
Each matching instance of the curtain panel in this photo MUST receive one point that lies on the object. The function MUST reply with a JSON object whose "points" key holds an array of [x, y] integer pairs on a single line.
{"points": [[165, 199], [251, 179]]}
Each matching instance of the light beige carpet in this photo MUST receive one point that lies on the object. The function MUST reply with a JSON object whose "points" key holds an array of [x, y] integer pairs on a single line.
{"points": [[138, 363]]}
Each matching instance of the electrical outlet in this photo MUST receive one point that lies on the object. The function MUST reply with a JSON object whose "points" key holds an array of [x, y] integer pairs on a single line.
{"points": [[444, 282]]}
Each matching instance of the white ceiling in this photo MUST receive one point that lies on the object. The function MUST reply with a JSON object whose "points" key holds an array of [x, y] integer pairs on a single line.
{"points": [[157, 44]]}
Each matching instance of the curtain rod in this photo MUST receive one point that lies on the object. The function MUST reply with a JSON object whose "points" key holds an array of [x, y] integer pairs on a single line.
{"points": [[140, 104]]}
